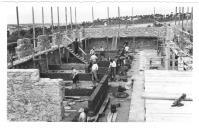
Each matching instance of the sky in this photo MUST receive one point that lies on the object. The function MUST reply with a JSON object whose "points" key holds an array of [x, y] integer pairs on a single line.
{"points": [[83, 10]]}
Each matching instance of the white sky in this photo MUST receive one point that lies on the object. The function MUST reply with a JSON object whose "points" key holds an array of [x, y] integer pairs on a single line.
{"points": [[84, 12]]}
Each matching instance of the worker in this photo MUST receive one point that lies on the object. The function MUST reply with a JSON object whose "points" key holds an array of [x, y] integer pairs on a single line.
{"points": [[75, 76], [83, 115], [93, 58], [94, 70], [126, 48], [92, 51], [76, 47], [112, 66]]}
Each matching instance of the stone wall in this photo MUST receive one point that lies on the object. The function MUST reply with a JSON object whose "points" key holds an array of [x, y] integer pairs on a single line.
{"points": [[30, 98], [24, 48], [61, 38], [43, 43]]}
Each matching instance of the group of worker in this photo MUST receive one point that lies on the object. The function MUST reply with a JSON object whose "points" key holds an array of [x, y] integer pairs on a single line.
{"points": [[121, 60], [115, 64]]}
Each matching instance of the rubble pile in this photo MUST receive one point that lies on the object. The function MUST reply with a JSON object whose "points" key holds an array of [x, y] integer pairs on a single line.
{"points": [[43, 43], [24, 48], [30, 98]]}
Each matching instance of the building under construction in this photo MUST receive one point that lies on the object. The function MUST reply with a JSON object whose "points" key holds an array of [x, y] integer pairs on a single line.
{"points": [[152, 85]]}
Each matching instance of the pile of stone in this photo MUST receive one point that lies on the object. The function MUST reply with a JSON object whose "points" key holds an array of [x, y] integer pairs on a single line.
{"points": [[24, 48], [43, 43], [30, 98]]}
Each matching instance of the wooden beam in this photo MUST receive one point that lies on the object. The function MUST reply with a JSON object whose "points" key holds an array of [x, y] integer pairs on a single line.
{"points": [[60, 56], [52, 19], [119, 16], [71, 20], [187, 16], [17, 12], [92, 14], [148, 96], [47, 61], [33, 21], [43, 21], [108, 22], [66, 17], [75, 18], [58, 19], [132, 16]]}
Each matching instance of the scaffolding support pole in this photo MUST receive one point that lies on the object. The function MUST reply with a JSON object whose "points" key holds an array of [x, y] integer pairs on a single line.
{"points": [[66, 17], [52, 19], [58, 19], [43, 21], [33, 25], [17, 12], [71, 20]]}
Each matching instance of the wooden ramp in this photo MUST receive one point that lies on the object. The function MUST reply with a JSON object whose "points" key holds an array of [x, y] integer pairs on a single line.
{"points": [[167, 85]]}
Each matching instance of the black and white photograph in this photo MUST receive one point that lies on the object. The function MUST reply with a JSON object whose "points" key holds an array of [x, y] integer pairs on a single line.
{"points": [[99, 61]]}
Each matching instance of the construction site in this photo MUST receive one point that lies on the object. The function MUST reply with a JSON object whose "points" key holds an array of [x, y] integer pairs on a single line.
{"points": [[151, 82]]}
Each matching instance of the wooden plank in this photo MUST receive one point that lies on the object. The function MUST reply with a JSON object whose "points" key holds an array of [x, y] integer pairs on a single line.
{"points": [[160, 97]]}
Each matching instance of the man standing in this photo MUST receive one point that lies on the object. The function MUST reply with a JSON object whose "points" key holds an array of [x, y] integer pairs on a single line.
{"points": [[94, 70], [75, 76], [112, 66], [126, 47]]}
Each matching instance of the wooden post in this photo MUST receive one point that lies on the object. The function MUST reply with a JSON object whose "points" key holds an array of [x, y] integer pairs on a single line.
{"points": [[75, 19], [58, 18], [47, 61], [173, 62], [187, 16], [43, 21], [52, 19], [60, 55], [175, 15], [107, 42], [108, 22], [179, 15], [85, 45], [92, 15], [119, 16], [132, 16], [182, 16], [71, 20], [33, 21], [66, 17], [17, 12]]}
